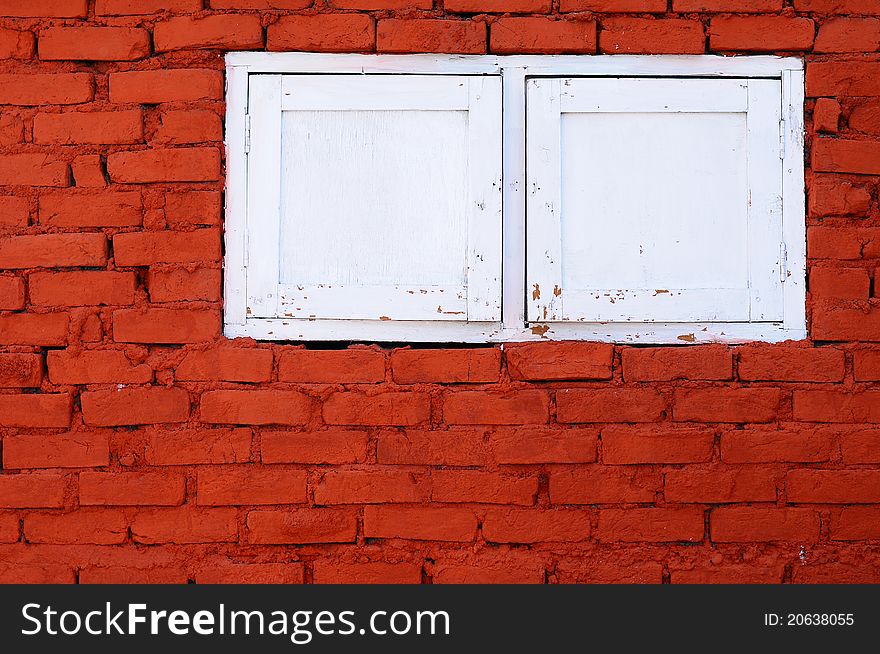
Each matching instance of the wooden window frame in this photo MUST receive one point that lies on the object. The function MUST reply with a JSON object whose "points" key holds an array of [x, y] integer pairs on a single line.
{"points": [[514, 71]]}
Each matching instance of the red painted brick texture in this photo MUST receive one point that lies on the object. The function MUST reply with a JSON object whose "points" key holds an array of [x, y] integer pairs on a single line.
{"points": [[138, 445]]}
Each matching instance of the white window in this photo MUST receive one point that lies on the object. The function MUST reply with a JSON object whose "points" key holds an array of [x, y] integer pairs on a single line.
{"points": [[439, 199]]}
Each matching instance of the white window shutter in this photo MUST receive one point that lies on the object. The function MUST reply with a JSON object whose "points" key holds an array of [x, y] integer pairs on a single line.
{"points": [[653, 200], [375, 197]]}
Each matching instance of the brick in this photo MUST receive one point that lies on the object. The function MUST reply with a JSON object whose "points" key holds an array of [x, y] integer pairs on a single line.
{"points": [[727, 404], [102, 209], [496, 408], [842, 78], [53, 251], [708, 362], [237, 485], [86, 449], [536, 526], [333, 446], [21, 370], [559, 361], [33, 170], [843, 243], [165, 325], [720, 485], [322, 33], [9, 528], [836, 406], [833, 486], [351, 366], [403, 409], [645, 36], [745, 524], [422, 523], [88, 171], [11, 128], [801, 445], [302, 526], [146, 248], [791, 364], [369, 487], [95, 367], [848, 35], [838, 6], [193, 208], [490, 571], [47, 329], [602, 485], [94, 43], [226, 364], [845, 324], [93, 127], [84, 526], [570, 571], [144, 7], [11, 293], [835, 573], [332, 572], [157, 86], [132, 575], [457, 486], [614, 6], [261, 4], [609, 405], [226, 32], [446, 366], [542, 36], [197, 446], [724, 6], [81, 288], [866, 365], [131, 488], [856, 523], [16, 44], [37, 89], [181, 285], [826, 115], [41, 410], [264, 407], [760, 34], [134, 406], [728, 574], [840, 283], [45, 8], [629, 445], [841, 156], [164, 165], [187, 127], [252, 573], [434, 448], [32, 490], [539, 445], [14, 211], [185, 525], [42, 573], [495, 6], [651, 525], [428, 35], [864, 118], [861, 447]]}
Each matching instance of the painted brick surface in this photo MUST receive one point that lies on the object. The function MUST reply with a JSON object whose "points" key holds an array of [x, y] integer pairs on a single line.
{"points": [[138, 445]]}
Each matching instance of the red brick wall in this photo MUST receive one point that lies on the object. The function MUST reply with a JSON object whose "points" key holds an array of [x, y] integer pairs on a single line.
{"points": [[139, 445]]}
